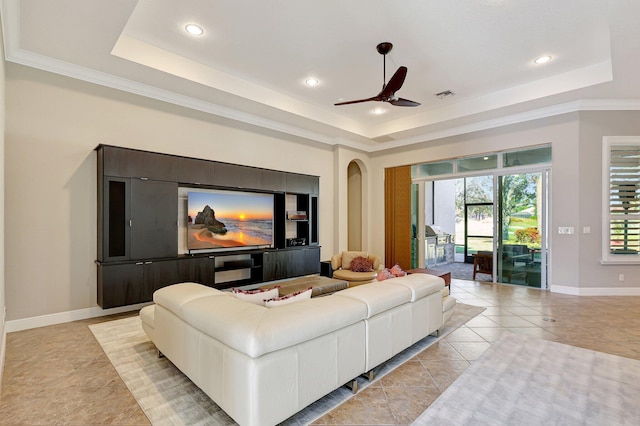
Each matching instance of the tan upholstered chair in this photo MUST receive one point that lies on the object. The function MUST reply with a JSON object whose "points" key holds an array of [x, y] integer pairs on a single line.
{"points": [[341, 266]]}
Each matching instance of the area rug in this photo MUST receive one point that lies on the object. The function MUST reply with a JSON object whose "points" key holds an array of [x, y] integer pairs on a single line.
{"points": [[168, 397], [463, 271], [522, 380]]}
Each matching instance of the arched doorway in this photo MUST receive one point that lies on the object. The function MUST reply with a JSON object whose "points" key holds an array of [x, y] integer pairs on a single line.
{"points": [[354, 206]]}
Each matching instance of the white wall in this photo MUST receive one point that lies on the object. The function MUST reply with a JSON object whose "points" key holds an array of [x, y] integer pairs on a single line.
{"points": [[2, 280], [53, 125], [445, 215]]}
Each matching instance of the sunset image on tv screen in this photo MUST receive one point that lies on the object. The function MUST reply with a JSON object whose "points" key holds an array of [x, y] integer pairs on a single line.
{"points": [[225, 219]]}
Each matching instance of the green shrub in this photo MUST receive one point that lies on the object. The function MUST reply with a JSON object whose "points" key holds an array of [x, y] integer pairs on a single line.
{"points": [[528, 236]]}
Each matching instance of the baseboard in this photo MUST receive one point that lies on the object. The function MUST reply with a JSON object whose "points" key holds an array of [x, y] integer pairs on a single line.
{"points": [[596, 291], [62, 317], [3, 344]]}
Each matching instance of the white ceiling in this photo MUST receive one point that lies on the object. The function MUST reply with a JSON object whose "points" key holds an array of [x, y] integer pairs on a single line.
{"points": [[251, 63]]}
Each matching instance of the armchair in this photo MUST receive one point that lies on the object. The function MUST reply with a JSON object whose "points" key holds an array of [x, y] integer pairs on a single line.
{"points": [[341, 266]]}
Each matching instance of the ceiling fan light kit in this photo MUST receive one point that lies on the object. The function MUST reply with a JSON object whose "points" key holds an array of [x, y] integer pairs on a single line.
{"points": [[445, 94], [388, 92]]}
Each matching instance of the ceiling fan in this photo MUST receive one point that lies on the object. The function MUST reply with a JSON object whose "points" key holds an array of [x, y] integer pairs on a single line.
{"points": [[388, 92]]}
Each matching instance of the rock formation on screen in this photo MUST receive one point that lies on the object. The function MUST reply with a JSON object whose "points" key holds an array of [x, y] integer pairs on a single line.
{"points": [[207, 217]]}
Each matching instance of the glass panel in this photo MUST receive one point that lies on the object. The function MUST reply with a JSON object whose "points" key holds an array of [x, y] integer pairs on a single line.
{"points": [[480, 221], [485, 162], [479, 245], [519, 251], [479, 230], [434, 169], [527, 156], [479, 189]]}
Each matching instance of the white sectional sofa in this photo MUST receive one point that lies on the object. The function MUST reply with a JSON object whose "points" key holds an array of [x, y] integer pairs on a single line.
{"points": [[262, 365]]}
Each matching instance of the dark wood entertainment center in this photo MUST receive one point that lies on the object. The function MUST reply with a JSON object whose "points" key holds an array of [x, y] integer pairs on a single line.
{"points": [[138, 225]]}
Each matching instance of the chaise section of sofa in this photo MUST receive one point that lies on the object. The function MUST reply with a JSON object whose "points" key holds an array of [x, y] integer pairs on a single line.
{"points": [[260, 365]]}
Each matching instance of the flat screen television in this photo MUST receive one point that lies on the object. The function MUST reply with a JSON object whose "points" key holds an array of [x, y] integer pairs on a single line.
{"points": [[224, 220]]}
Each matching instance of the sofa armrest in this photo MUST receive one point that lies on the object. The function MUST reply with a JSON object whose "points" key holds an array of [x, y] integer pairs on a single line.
{"points": [[336, 261]]}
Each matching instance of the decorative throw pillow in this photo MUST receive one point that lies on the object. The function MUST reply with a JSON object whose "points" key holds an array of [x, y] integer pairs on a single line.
{"points": [[397, 271], [298, 296], [384, 275], [361, 264], [257, 296]]}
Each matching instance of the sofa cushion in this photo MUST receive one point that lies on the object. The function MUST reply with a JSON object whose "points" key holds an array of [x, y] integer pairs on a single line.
{"points": [[174, 297], [298, 296], [421, 285], [348, 275], [255, 330], [378, 297], [348, 256]]}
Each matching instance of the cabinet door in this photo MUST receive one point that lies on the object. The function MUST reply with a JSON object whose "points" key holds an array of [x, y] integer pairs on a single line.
{"points": [[296, 263], [235, 176], [121, 285], [272, 180], [312, 260], [274, 265], [160, 274], [154, 219], [194, 171], [199, 270], [302, 184], [139, 164]]}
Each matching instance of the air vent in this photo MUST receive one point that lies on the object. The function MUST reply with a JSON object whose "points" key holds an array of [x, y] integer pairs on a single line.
{"points": [[445, 94]]}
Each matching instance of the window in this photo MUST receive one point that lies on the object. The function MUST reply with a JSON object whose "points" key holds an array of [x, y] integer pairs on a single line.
{"points": [[621, 199], [524, 157]]}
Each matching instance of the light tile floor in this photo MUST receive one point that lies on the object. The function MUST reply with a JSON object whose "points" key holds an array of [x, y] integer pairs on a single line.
{"points": [[59, 374]]}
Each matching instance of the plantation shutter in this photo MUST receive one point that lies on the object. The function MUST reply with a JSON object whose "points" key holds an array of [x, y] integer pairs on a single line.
{"points": [[624, 199]]}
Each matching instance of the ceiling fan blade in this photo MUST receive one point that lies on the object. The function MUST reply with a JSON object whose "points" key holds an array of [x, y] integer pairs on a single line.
{"points": [[404, 102], [375, 98], [395, 83]]}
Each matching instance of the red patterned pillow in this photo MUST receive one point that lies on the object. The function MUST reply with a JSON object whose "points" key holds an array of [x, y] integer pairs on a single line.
{"points": [[298, 296], [361, 264], [397, 271], [384, 274]]}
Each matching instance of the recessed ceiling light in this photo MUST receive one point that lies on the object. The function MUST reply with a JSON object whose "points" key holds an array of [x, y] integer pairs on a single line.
{"points": [[378, 111], [312, 82], [194, 29], [542, 59], [485, 158]]}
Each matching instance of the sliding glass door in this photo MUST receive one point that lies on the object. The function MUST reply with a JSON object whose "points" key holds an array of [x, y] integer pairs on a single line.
{"points": [[522, 229]]}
